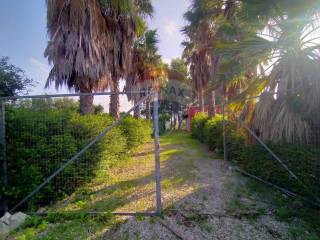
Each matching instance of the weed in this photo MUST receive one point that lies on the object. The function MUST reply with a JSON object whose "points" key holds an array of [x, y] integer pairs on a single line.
{"points": [[282, 213], [154, 219], [140, 217]]}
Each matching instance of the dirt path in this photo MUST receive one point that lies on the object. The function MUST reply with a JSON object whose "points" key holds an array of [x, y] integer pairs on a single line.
{"points": [[203, 199]]}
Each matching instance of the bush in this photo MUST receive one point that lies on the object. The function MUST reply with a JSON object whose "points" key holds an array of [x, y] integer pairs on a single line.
{"points": [[40, 141], [300, 159], [197, 126], [303, 160], [213, 133], [138, 131], [210, 132]]}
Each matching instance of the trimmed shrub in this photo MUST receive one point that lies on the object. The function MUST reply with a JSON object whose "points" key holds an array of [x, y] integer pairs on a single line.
{"points": [[138, 131], [213, 133], [210, 132], [40, 141], [301, 159], [197, 126]]}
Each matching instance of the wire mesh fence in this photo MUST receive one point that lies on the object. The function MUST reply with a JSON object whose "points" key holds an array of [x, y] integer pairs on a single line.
{"points": [[278, 151], [41, 141]]}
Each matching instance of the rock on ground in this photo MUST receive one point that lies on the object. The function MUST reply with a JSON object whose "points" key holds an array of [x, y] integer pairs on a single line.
{"points": [[10, 222]]}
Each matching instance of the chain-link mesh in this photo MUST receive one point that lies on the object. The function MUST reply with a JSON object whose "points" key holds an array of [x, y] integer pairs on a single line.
{"points": [[113, 175]]}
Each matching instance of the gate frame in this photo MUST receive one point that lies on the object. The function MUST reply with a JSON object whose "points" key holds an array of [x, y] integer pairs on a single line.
{"points": [[4, 164], [95, 140]]}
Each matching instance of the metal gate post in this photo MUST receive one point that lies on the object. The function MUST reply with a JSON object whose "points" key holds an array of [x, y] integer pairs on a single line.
{"points": [[3, 152], [156, 151], [224, 131]]}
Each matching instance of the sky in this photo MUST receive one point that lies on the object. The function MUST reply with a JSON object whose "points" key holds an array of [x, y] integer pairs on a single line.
{"points": [[23, 35]]}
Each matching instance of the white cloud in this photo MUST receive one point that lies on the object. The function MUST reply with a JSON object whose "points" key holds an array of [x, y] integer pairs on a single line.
{"points": [[170, 27], [40, 65]]}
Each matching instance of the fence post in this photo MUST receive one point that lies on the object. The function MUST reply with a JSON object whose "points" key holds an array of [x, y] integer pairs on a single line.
{"points": [[156, 151], [3, 153], [224, 131]]}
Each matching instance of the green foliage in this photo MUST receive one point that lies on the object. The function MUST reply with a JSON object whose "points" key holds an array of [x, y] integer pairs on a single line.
{"points": [[181, 66], [13, 80], [212, 129], [163, 119], [210, 132], [138, 131], [197, 126], [300, 159], [255, 159], [40, 141], [282, 213]]}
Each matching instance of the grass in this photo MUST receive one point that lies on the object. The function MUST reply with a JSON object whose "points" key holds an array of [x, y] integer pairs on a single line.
{"points": [[304, 221], [261, 200]]}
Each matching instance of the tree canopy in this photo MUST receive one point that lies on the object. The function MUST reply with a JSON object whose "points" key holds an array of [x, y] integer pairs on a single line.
{"points": [[13, 80]]}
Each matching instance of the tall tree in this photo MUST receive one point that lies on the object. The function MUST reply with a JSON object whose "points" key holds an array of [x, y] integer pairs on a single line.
{"points": [[281, 36], [125, 21], [181, 66], [78, 48], [200, 33], [147, 72], [13, 80]]}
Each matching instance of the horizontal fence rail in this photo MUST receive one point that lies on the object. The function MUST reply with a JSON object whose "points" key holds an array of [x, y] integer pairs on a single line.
{"points": [[72, 95]]}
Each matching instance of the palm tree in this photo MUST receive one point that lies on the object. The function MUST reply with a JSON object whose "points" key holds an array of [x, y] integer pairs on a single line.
{"points": [[295, 78], [180, 66], [283, 36], [78, 48], [147, 71], [200, 31], [124, 19]]}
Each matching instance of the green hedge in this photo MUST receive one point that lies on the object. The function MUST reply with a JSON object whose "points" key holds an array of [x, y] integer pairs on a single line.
{"points": [[303, 160], [213, 133], [138, 131], [197, 126], [210, 132], [39, 141]]}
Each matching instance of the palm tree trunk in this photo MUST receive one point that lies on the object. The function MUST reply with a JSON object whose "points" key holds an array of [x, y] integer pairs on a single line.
{"points": [[148, 109], [180, 119], [86, 102], [201, 100], [136, 112], [114, 107], [171, 120], [212, 104]]}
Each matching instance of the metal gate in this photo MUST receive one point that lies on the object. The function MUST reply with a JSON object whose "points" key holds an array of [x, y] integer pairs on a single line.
{"points": [[70, 166]]}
